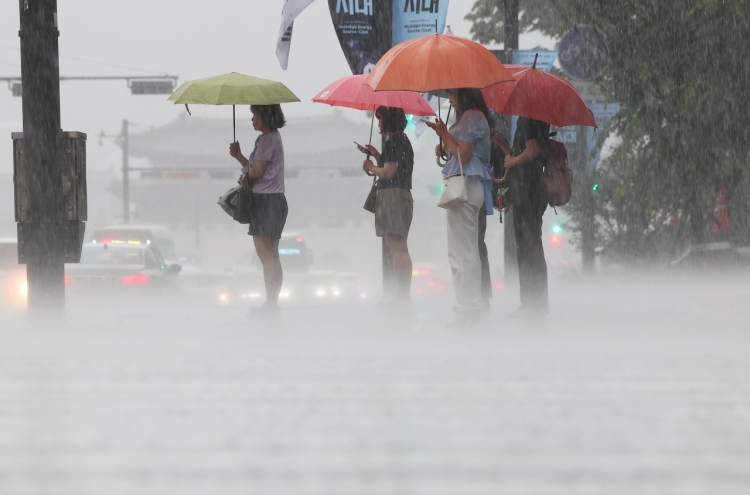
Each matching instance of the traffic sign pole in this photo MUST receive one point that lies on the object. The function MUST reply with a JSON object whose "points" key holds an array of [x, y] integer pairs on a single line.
{"points": [[43, 234], [510, 257]]}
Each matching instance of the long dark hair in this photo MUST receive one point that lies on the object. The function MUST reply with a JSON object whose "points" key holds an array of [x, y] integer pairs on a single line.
{"points": [[471, 99], [394, 119], [271, 115]]}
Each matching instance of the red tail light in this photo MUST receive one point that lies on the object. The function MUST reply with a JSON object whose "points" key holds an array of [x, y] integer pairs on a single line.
{"points": [[66, 279], [139, 279]]}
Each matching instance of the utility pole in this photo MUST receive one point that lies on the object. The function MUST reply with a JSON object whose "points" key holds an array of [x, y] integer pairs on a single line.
{"points": [[125, 174], [44, 230], [510, 259], [588, 229], [511, 24]]}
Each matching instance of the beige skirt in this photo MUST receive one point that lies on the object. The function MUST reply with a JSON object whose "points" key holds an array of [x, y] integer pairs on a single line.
{"points": [[394, 208]]}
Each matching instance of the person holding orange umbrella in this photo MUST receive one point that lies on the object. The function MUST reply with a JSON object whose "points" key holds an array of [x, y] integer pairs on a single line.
{"points": [[467, 144], [442, 62]]}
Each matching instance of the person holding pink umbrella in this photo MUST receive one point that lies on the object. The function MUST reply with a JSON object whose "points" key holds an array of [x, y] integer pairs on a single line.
{"points": [[394, 206]]}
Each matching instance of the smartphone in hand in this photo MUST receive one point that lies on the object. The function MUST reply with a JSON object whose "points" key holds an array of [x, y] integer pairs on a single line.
{"points": [[360, 147]]}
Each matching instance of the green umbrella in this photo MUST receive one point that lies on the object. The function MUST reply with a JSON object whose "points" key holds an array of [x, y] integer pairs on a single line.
{"points": [[232, 89]]}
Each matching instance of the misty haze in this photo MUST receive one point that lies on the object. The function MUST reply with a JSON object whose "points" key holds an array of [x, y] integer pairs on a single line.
{"points": [[210, 302]]}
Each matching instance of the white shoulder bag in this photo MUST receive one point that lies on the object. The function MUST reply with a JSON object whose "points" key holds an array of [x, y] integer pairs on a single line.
{"points": [[228, 199], [454, 190]]}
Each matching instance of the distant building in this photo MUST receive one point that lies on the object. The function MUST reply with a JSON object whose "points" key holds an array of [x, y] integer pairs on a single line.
{"points": [[192, 168]]}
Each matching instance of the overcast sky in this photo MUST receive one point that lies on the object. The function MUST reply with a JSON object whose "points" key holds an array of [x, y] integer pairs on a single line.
{"points": [[186, 38]]}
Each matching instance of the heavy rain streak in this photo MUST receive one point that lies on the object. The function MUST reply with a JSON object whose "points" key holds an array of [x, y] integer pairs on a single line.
{"points": [[375, 247]]}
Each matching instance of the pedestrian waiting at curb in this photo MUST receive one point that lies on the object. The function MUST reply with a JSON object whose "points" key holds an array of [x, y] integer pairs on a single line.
{"points": [[469, 137], [264, 170], [394, 206], [528, 200]]}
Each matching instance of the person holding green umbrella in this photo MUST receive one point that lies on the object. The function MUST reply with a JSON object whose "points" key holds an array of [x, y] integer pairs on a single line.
{"points": [[263, 170]]}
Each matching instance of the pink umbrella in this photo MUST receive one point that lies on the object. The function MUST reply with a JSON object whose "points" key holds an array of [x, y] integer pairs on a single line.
{"points": [[351, 92]]}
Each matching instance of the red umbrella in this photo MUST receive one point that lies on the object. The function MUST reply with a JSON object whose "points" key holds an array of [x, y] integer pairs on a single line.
{"points": [[539, 95], [351, 92]]}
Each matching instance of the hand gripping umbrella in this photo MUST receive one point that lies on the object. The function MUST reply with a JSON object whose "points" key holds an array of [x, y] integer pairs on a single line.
{"points": [[351, 92], [232, 89], [538, 95]]}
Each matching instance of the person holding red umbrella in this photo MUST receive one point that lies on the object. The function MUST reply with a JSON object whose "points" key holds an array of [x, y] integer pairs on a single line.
{"points": [[394, 206], [528, 198]]}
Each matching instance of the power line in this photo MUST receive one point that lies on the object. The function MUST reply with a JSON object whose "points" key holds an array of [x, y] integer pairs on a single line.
{"points": [[94, 62]]}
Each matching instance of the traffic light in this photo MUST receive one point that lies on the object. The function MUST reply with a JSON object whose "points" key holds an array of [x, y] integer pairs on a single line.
{"points": [[555, 239], [149, 87], [595, 187]]}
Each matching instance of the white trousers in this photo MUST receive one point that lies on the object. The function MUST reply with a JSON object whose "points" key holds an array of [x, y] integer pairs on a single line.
{"points": [[463, 247]]}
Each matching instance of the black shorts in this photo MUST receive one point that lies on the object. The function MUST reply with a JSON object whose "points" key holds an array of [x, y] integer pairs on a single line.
{"points": [[268, 215]]}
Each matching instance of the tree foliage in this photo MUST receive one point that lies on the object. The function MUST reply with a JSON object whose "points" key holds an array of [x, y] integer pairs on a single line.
{"points": [[680, 70]]}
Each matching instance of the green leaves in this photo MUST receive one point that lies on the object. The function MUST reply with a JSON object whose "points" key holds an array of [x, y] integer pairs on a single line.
{"points": [[680, 70]]}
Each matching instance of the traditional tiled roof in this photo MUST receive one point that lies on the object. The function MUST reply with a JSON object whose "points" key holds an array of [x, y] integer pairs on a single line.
{"points": [[318, 142]]}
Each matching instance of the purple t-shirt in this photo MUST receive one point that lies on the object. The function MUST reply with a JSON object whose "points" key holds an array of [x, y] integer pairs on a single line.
{"points": [[268, 147]]}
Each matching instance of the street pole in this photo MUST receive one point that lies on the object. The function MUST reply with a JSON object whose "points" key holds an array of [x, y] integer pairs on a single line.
{"points": [[511, 24], [198, 221], [588, 229], [43, 149], [510, 258], [125, 175]]}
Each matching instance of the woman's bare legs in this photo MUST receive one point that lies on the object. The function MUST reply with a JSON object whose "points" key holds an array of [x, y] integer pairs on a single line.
{"points": [[401, 263], [273, 276]]}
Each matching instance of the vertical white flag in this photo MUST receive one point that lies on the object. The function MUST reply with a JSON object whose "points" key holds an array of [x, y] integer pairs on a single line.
{"points": [[292, 8]]}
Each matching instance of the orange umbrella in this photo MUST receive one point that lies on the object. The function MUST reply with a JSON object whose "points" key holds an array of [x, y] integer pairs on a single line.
{"points": [[438, 61]]}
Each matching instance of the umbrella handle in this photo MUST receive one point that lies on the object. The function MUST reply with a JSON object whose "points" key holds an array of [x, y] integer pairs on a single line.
{"points": [[444, 156], [500, 181], [234, 128], [372, 123]]}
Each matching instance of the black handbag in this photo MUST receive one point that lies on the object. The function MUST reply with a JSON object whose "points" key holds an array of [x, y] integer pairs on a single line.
{"points": [[243, 204], [370, 201]]}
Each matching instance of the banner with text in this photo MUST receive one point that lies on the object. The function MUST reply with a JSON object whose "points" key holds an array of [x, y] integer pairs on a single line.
{"points": [[366, 29], [363, 28], [415, 18]]}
